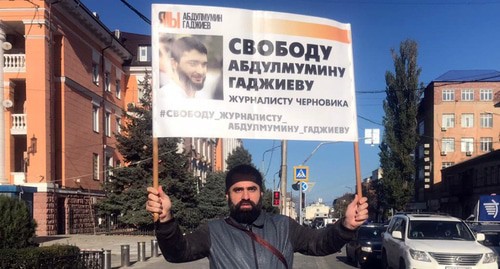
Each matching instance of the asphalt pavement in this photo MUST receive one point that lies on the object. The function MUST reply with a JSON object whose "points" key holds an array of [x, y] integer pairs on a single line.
{"points": [[114, 243]]}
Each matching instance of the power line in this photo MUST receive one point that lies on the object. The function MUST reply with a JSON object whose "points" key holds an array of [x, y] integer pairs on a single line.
{"points": [[142, 16]]}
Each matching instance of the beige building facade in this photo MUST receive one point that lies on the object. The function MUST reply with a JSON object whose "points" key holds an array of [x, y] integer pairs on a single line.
{"points": [[457, 121]]}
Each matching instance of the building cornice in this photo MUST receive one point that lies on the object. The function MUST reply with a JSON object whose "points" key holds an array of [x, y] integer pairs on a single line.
{"points": [[79, 12]]}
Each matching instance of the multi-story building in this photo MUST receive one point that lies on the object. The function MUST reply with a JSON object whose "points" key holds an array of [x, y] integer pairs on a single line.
{"points": [[317, 209], [225, 147], [64, 91], [456, 122], [67, 80], [465, 182]]}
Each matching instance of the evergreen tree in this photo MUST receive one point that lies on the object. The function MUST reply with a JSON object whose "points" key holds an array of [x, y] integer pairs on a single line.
{"points": [[212, 198], [340, 204], [17, 228], [239, 156], [400, 136], [126, 187]]}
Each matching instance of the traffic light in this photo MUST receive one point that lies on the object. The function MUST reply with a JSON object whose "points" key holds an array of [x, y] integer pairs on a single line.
{"points": [[276, 198]]}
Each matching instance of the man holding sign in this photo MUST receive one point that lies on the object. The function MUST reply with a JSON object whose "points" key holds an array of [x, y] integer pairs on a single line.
{"points": [[249, 237]]}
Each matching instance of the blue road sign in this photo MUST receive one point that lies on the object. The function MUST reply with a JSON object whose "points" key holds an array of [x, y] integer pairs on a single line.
{"points": [[304, 186], [301, 173]]}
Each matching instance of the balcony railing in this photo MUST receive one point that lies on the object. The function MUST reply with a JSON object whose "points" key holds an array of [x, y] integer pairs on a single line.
{"points": [[14, 62], [19, 124]]}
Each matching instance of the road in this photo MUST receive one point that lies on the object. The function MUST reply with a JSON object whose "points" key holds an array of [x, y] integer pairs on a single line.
{"points": [[337, 261], [114, 243]]}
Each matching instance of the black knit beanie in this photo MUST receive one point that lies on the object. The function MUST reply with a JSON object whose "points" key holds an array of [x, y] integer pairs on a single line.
{"points": [[243, 172]]}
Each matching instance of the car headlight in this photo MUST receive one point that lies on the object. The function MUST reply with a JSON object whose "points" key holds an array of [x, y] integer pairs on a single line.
{"points": [[366, 249], [419, 255], [490, 257]]}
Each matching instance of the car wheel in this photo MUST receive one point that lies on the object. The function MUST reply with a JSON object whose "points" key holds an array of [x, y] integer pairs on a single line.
{"points": [[384, 261]]}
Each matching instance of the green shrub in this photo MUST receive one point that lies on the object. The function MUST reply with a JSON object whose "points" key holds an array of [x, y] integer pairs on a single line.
{"points": [[17, 228], [50, 257]]}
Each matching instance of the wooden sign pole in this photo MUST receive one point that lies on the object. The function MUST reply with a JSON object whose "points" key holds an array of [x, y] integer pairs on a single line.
{"points": [[155, 170], [357, 165]]}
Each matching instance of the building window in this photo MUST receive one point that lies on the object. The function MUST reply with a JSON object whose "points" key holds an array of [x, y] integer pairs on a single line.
{"points": [[468, 95], [446, 164], [95, 118], [448, 95], [448, 144], [486, 144], [448, 120], [95, 73], [108, 124], [109, 168], [118, 89], [118, 125], [467, 144], [486, 94], [486, 120], [467, 120], [107, 82], [144, 54], [95, 166]]}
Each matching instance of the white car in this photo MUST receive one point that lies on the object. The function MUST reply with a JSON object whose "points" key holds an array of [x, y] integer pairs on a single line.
{"points": [[433, 241]]}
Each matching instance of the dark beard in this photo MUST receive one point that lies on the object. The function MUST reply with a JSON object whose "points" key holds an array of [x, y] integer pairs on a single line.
{"points": [[245, 216], [184, 78]]}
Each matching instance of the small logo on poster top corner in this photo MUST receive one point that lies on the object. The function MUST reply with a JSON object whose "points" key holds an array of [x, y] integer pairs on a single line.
{"points": [[188, 20], [170, 19]]}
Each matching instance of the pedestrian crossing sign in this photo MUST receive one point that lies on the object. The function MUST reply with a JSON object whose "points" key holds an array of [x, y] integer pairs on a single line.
{"points": [[301, 173]]}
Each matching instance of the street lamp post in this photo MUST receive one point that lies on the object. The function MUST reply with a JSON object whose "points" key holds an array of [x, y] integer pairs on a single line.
{"points": [[301, 200], [283, 176], [262, 161]]}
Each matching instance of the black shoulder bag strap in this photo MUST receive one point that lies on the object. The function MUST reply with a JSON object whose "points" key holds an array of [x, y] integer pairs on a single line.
{"points": [[259, 240]]}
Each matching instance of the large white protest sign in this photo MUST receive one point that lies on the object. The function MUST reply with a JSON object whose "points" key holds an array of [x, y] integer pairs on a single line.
{"points": [[225, 72]]}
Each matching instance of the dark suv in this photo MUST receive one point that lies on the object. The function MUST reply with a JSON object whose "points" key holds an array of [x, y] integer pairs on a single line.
{"points": [[366, 247], [491, 233]]}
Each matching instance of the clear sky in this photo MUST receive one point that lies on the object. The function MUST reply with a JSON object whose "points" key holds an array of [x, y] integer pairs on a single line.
{"points": [[451, 34]]}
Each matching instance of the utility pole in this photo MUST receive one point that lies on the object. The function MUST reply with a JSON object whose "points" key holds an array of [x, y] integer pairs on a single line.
{"points": [[283, 177]]}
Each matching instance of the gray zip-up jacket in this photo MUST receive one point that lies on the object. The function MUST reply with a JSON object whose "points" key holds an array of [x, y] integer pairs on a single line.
{"points": [[228, 247]]}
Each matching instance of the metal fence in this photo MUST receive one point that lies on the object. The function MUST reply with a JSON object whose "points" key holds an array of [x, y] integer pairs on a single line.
{"points": [[111, 224], [92, 259]]}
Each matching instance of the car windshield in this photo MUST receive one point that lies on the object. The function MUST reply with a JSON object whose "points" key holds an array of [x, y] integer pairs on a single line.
{"points": [[370, 232], [447, 230]]}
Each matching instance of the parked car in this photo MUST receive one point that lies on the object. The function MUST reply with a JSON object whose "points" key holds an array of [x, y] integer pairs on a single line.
{"points": [[366, 247], [491, 233], [434, 241]]}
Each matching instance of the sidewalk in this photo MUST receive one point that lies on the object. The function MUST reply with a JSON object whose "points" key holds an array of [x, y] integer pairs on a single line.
{"points": [[113, 243]]}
